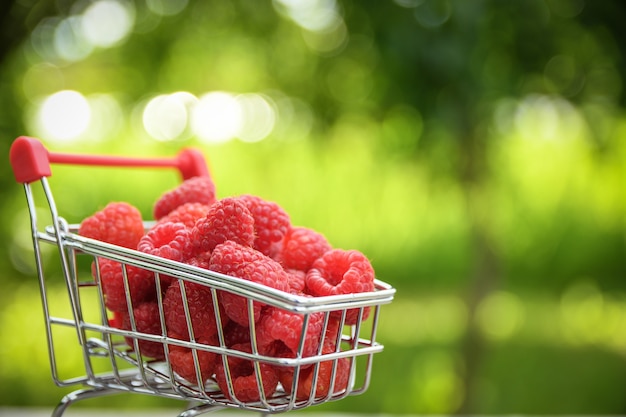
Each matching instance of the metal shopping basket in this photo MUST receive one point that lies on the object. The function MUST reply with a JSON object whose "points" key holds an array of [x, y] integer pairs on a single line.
{"points": [[112, 360]]}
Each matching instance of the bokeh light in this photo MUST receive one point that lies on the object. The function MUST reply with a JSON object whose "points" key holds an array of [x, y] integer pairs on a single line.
{"points": [[63, 116], [217, 117], [102, 24], [324, 29], [258, 117], [67, 116], [166, 116], [105, 23], [166, 7], [69, 42]]}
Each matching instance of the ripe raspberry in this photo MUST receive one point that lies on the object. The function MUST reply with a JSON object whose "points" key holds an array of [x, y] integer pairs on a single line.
{"points": [[226, 219], [186, 213], [117, 223], [341, 271], [235, 334], [229, 256], [279, 331], [200, 306], [332, 335], [183, 362], [240, 261], [296, 280], [140, 284], [168, 240], [271, 222], [243, 376], [304, 389], [147, 320], [301, 247], [193, 190]]}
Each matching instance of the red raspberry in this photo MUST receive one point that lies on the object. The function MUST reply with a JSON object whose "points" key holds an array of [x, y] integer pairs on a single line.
{"points": [[332, 335], [304, 389], [200, 260], [341, 271], [243, 376], [186, 213], [147, 320], [226, 219], [117, 223], [193, 190], [279, 331], [271, 222], [301, 247], [235, 334], [167, 240], [183, 362], [229, 256], [140, 284], [296, 280], [200, 305], [240, 261]]}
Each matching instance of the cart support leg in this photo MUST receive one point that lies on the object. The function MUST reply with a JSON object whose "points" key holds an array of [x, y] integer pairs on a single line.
{"points": [[79, 395]]}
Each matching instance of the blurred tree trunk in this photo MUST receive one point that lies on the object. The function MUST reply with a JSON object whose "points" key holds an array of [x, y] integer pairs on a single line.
{"points": [[485, 268], [484, 278]]}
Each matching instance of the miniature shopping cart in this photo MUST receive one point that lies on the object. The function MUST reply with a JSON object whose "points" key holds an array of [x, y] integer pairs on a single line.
{"points": [[112, 361]]}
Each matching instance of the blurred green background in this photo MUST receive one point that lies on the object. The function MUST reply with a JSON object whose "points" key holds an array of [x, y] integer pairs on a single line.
{"points": [[474, 150]]}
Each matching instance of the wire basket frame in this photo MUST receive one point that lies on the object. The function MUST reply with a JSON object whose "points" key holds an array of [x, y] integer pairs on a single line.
{"points": [[120, 359]]}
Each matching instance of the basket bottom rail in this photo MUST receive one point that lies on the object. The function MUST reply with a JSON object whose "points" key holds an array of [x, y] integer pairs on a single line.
{"points": [[97, 392]]}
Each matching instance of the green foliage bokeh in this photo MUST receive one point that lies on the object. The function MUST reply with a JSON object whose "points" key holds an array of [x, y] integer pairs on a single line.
{"points": [[475, 151]]}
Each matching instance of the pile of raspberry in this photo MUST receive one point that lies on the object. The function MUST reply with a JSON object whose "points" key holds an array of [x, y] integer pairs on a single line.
{"points": [[246, 237]]}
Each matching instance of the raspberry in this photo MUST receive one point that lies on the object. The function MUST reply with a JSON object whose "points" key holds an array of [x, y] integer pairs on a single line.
{"points": [[140, 284], [118, 223], [186, 213], [226, 219], [193, 190], [147, 320], [183, 361], [279, 332], [341, 271], [296, 280], [271, 222], [304, 389], [167, 240], [235, 333], [243, 376], [240, 261], [229, 256], [301, 247], [200, 305], [200, 260], [332, 335]]}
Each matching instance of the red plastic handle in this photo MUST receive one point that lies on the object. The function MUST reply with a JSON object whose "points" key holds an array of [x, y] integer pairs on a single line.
{"points": [[31, 161]]}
